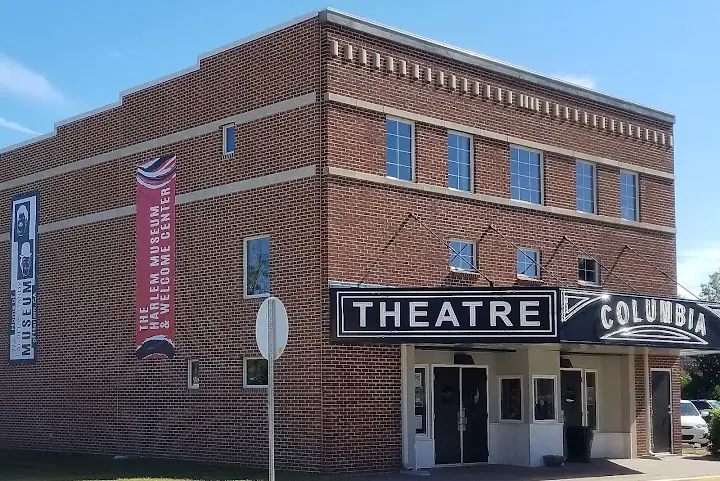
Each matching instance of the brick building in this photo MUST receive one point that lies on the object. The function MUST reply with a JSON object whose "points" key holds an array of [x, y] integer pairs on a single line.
{"points": [[472, 256]]}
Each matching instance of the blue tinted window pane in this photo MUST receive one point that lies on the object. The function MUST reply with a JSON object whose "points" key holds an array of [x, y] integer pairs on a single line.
{"points": [[398, 149], [464, 184], [405, 173], [404, 129], [527, 263], [405, 159], [393, 170], [257, 267], [462, 255], [459, 159], [585, 187], [628, 196], [229, 140], [391, 141], [392, 127], [404, 144]]}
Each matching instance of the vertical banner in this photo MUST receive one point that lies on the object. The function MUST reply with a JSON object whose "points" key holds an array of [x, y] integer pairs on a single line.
{"points": [[23, 278], [155, 259]]}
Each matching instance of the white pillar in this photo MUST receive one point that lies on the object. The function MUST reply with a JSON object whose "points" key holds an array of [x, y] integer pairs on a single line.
{"points": [[407, 359]]}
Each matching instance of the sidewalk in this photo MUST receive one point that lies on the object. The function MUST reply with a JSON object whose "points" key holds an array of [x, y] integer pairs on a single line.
{"points": [[698, 468]]}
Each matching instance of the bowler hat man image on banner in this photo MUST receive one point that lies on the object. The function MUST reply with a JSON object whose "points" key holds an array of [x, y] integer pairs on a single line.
{"points": [[25, 261], [22, 218]]}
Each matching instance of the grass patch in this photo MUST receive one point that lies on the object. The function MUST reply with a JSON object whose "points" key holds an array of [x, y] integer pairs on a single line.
{"points": [[34, 466]]}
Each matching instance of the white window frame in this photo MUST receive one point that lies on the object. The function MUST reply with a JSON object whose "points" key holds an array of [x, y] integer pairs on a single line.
{"points": [[555, 396], [636, 176], [539, 271], [597, 410], [428, 413], [472, 159], [542, 173], [475, 256], [522, 399], [246, 241], [190, 383], [597, 272], [225, 128], [593, 166], [412, 148], [245, 372]]}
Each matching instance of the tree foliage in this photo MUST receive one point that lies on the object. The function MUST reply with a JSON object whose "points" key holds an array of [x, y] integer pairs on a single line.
{"points": [[704, 382]]}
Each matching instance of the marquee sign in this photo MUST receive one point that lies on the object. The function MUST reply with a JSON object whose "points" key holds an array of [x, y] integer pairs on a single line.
{"points": [[601, 318], [447, 315], [520, 315], [23, 278]]}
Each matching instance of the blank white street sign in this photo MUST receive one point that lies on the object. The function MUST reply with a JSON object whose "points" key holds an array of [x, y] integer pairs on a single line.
{"points": [[281, 328]]}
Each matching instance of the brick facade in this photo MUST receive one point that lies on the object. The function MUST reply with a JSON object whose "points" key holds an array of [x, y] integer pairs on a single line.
{"points": [[339, 406]]}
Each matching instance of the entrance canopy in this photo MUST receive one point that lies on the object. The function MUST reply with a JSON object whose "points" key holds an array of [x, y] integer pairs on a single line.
{"points": [[521, 315]]}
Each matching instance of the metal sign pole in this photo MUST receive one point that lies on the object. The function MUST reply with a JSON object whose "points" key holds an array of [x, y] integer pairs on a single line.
{"points": [[271, 390]]}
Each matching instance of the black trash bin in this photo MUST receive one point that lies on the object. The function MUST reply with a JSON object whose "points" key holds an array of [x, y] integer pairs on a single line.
{"points": [[578, 441]]}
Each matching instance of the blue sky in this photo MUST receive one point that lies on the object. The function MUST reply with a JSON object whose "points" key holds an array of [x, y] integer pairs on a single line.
{"points": [[58, 59]]}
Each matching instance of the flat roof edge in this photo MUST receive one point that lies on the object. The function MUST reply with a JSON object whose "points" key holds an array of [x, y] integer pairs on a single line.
{"points": [[465, 56]]}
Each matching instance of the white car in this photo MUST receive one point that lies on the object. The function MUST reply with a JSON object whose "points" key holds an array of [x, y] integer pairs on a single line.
{"points": [[694, 427]]}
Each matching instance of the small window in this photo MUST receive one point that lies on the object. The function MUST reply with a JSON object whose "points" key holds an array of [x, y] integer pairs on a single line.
{"points": [[421, 405], [591, 398], [585, 187], [256, 372], [544, 398], [257, 267], [459, 162], [228, 139], [628, 196], [511, 399], [462, 255], [528, 261], [399, 149], [525, 175], [193, 374], [588, 271]]}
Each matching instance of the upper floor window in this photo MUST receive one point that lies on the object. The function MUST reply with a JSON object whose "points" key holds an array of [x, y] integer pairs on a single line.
{"points": [[525, 175], [459, 162], [462, 255], [628, 196], [588, 271], [585, 187], [399, 149], [257, 266], [528, 261], [228, 139]]}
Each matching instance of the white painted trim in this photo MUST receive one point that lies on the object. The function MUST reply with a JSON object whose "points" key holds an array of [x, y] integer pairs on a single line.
{"points": [[164, 78], [555, 395], [413, 175], [472, 159], [204, 129], [245, 383], [203, 194], [522, 399], [246, 240], [341, 99], [189, 374], [383, 180]]}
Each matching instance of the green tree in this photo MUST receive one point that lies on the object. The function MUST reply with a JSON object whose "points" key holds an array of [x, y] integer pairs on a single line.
{"points": [[705, 379]]}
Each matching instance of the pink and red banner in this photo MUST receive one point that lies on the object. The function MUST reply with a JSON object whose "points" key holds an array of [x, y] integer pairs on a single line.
{"points": [[155, 259]]}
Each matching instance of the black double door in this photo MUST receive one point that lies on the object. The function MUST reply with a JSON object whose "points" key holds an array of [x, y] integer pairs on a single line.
{"points": [[661, 412], [461, 415]]}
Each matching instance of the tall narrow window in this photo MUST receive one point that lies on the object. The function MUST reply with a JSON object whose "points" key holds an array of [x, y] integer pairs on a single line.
{"points": [[193, 374], [511, 398], [228, 139], [591, 398], [525, 175], [462, 255], [528, 261], [544, 398], [421, 407], [585, 187], [628, 196], [257, 267], [399, 149], [459, 162]]}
